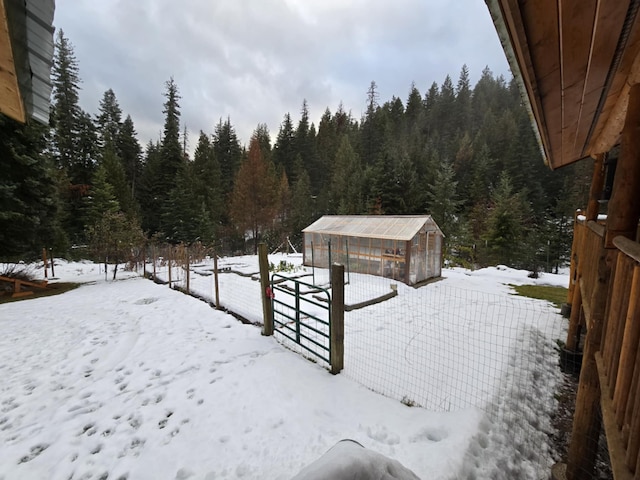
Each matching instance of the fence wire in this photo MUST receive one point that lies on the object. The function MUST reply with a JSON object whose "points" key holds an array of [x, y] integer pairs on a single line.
{"points": [[439, 347]]}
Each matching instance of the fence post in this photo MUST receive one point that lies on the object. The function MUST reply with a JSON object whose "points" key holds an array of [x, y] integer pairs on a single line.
{"points": [[169, 263], [187, 258], [267, 309], [153, 254], [215, 280], [44, 261], [336, 328], [53, 272]]}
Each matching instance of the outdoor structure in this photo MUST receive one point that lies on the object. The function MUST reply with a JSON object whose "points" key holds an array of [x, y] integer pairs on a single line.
{"points": [[407, 248], [26, 56], [578, 66]]}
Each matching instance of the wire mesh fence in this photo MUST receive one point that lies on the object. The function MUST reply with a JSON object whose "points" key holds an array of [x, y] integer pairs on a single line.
{"points": [[441, 347], [446, 348]]}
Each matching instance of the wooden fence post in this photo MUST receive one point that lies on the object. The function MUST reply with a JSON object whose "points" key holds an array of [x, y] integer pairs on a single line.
{"points": [[53, 272], [215, 280], [267, 309], [336, 329], [169, 263], [44, 261], [187, 258]]}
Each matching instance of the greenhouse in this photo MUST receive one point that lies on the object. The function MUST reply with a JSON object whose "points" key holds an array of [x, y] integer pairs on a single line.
{"points": [[407, 248]]}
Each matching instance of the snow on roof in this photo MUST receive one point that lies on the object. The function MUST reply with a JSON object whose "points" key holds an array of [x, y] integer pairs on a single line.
{"points": [[388, 227]]}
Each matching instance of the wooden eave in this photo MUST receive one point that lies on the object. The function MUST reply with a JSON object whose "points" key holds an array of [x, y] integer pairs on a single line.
{"points": [[575, 61], [11, 103]]}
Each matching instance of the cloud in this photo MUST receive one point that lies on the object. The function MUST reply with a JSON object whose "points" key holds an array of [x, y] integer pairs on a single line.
{"points": [[253, 61]]}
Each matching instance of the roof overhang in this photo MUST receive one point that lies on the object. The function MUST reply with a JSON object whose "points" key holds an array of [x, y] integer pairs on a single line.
{"points": [[11, 103], [26, 56], [575, 61]]}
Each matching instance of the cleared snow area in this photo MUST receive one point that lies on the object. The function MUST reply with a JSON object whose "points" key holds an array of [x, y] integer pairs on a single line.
{"points": [[132, 380]]}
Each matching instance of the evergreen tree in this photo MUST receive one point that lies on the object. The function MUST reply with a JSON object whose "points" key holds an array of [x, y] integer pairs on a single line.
{"points": [[444, 204], [130, 153], [102, 199], [170, 154], [507, 226], [109, 121], [284, 149], [28, 195], [65, 112], [151, 194], [346, 184], [227, 151]]}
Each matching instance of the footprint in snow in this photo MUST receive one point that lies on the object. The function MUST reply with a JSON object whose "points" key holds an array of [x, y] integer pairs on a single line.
{"points": [[34, 452]]}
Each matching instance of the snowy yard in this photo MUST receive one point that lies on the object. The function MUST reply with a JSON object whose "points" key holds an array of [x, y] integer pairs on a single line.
{"points": [[132, 380]]}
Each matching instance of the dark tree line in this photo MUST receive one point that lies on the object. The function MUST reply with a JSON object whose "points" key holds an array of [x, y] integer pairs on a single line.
{"points": [[465, 154]]}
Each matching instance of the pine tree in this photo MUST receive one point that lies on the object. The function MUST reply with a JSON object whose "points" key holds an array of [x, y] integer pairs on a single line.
{"points": [[102, 199], [226, 149], [506, 226], [109, 121], [65, 112], [346, 185], [284, 149], [444, 203], [130, 153], [29, 200]]}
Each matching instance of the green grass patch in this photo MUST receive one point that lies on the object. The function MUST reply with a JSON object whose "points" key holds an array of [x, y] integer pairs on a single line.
{"points": [[555, 295], [52, 289]]}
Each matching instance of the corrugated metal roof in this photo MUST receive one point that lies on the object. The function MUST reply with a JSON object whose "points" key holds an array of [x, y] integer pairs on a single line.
{"points": [[387, 227], [32, 39]]}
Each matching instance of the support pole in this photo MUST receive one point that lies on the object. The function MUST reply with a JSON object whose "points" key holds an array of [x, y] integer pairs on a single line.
{"points": [[187, 259], [586, 420], [44, 261], [170, 252], [215, 280], [597, 183], [53, 272], [336, 327], [267, 307], [624, 206]]}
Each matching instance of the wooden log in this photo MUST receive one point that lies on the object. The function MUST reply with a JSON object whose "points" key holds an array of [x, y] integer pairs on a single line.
{"points": [[215, 280], [574, 321], [615, 442], [575, 248], [336, 330], [267, 307], [624, 206], [616, 316], [633, 418], [595, 191], [629, 350], [44, 261], [586, 421]]}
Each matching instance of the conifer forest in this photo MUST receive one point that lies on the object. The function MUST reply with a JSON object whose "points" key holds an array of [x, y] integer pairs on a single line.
{"points": [[465, 154]]}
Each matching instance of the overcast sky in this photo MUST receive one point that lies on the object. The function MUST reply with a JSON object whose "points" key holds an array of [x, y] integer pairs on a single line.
{"points": [[255, 60]]}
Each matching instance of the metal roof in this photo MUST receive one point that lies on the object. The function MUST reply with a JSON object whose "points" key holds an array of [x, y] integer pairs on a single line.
{"points": [[387, 227], [26, 55], [575, 61]]}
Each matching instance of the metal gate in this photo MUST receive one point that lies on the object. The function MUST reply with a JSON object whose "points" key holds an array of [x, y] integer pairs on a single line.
{"points": [[302, 314]]}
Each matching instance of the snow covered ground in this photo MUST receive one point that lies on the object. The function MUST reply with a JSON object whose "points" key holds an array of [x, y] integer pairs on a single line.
{"points": [[132, 380]]}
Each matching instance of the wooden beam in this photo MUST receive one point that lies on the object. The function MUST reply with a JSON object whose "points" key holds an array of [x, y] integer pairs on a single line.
{"points": [[595, 191], [624, 206], [10, 97], [586, 421], [615, 444]]}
